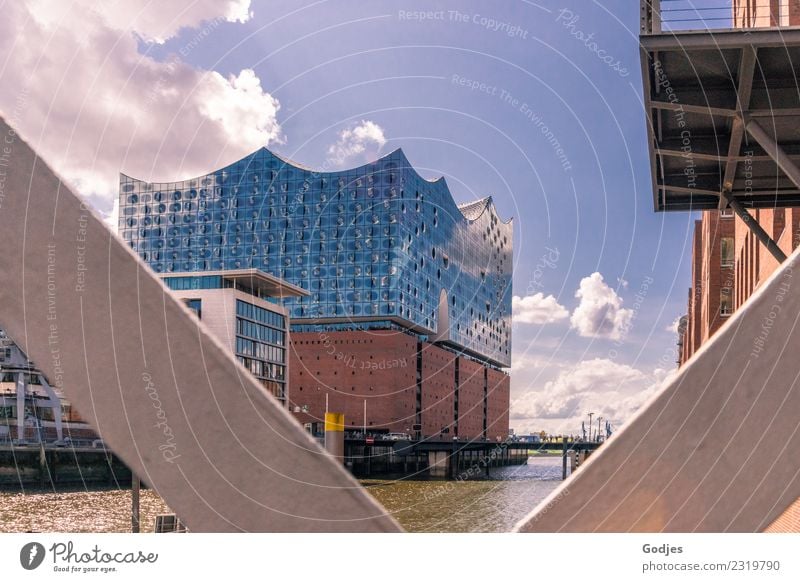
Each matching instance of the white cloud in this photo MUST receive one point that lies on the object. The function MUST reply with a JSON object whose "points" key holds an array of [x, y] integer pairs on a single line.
{"points": [[240, 106], [80, 91], [152, 21], [537, 309], [600, 312], [112, 218], [674, 327], [365, 137], [611, 390]]}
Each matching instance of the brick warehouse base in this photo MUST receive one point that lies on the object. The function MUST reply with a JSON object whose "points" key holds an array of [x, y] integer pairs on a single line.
{"points": [[404, 383]]}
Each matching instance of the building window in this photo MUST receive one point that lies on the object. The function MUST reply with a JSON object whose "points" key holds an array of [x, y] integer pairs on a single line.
{"points": [[726, 252], [725, 302], [195, 305], [727, 213]]}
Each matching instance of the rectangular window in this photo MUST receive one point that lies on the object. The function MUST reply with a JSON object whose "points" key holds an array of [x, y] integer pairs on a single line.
{"points": [[726, 252], [195, 305], [727, 213], [725, 302], [190, 283]]}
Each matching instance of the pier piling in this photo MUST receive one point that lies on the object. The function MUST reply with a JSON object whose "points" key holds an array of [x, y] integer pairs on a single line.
{"points": [[135, 487]]}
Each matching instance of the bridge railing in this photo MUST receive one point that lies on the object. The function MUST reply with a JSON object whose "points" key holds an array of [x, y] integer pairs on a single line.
{"points": [[663, 16]]}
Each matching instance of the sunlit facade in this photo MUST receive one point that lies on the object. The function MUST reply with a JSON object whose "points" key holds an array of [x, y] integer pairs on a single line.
{"points": [[376, 247], [240, 308]]}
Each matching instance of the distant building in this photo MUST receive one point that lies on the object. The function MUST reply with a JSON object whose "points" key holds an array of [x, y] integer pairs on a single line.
{"points": [[239, 307], [31, 410], [409, 295]]}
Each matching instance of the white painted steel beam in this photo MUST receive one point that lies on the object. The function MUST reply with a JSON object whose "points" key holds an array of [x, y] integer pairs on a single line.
{"points": [[166, 396], [715, 449]]}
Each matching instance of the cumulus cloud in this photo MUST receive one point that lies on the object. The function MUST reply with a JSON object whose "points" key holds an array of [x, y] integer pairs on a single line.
{"points": [[611, 390], [112, 218], [537, 309], [364, 138], [151, 21], [600, 312], [80, 90]]}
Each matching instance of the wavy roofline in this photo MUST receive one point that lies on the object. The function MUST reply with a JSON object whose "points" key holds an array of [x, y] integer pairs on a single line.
{"points": [[441, 181], [488, 205]]}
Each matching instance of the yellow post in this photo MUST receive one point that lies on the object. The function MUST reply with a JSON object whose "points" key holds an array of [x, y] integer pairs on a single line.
{"points": [[334, 434]]}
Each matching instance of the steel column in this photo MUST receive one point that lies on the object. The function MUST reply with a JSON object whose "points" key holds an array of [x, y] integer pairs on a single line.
{"points": [[755, 227]]}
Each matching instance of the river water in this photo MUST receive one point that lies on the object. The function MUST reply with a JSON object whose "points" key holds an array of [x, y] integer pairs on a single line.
{"points": [[420, 506]]}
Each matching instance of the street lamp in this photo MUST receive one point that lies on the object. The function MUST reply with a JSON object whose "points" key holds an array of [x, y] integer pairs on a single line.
{"points": [[591, 414]]}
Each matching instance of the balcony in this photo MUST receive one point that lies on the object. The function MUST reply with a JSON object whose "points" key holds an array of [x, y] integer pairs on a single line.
{"points": [[672, 16], [722, 104]]}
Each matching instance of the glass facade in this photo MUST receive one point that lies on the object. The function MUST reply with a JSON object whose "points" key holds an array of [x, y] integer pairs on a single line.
{"points": [[377, 243], [261, 345], [187, 283]]}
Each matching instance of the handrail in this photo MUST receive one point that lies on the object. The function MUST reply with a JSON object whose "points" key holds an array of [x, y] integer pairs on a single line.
{"points": [[664, 16]]}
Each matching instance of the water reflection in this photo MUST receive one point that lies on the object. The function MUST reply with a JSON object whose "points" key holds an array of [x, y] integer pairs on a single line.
{"points": [[420, 506], [77, 511], [469, 506]]}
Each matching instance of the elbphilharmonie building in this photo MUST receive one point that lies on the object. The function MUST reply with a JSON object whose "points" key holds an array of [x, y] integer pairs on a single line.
{"points": [[378, 249]]}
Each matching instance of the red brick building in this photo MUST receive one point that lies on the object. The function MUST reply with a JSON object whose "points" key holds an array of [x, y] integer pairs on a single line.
{"points": [[724, 276], [765, 13], [711, 295], [410, 387]]}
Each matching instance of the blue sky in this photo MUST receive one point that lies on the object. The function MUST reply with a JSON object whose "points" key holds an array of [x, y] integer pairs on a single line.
{"points": [[537, 104]]}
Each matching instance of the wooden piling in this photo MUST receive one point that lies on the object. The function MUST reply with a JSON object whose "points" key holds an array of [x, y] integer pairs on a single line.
{"points": [[135, 487]]}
